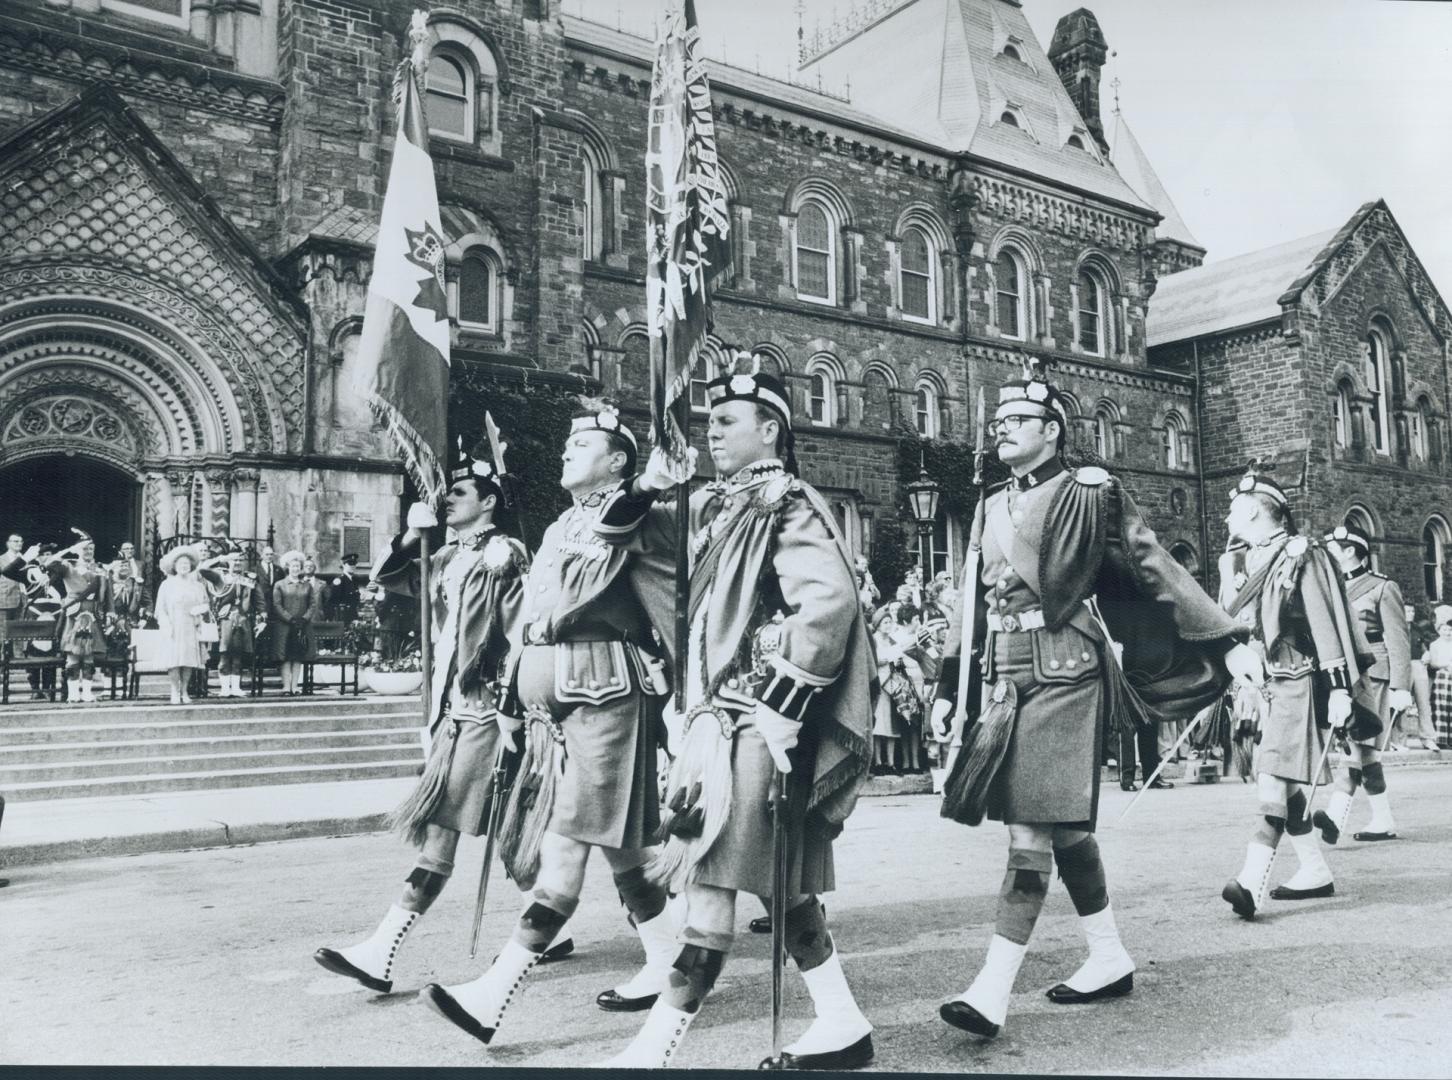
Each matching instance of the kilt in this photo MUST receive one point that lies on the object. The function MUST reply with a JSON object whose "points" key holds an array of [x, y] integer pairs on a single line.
{"points": [[1442, 706], [81, 639], [1372, 695], [1291, 741], [741, 857], [235, 633], [1050, 771], [606, 794], [464, 804]]}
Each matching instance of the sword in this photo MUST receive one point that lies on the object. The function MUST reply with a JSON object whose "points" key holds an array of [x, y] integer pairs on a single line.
{"points": [[779, 855], [1165, 759], [972, 562], [496, 808], [1331, 737], [1391, 726]]}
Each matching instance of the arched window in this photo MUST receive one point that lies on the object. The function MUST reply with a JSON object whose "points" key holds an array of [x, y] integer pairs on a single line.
{"points": [[1421, 423], [1104, 431], [769, 360], [1185, 555], [1359, 518], [918, 277], [876, 399], [1011, 281], [1435, 538], [926, 414], [1341, 414], [816, 254], [479, 290], [1375, 353], [1009, 118], [1091, 313], [936, 548], [594, 236], [448, 96], [635, 361], [1174, 442], [1011, 51], [822, 393], [1076, 142]]}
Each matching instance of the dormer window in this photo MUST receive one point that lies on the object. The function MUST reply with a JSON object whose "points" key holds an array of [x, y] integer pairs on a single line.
{"points": [[1011, 51], [1076, 142], [1008, 118]]}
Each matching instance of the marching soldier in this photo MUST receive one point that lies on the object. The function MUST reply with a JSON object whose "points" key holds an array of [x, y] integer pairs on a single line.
{"points": [[477, 583], [583, 668], [779, 677], [1293, 594], [1070, 574], [1385, 688]]}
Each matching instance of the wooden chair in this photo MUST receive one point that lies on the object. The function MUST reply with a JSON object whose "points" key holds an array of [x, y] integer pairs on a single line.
{"points": [[15, 635], [121, 666], [330, 645]]}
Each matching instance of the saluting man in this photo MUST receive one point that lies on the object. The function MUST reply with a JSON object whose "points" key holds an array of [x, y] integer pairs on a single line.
{"points": [[584, 668], [1385, 688], [779, 678], [1293, 596], [477, 583], [1069, 574]]}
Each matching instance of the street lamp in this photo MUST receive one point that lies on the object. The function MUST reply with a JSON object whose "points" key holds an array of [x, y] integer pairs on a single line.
{"points": [[923, 496]]}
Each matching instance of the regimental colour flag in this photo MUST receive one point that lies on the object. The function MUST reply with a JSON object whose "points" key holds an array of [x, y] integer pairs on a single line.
{"points": [[687, 221], [403, 355]]}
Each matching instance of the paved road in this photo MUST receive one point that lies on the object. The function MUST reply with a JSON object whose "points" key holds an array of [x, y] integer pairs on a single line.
{"points": [[203, 958]]}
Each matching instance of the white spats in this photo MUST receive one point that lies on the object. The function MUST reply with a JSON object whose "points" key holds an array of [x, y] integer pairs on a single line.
{"points": [[1381, 814], [376, 955], [1313, 872], [839, 1022], [656, 1042], [993, 986], [1255, 874], [490, 995], [1338, 809], [1108, 961], [658, 937]]}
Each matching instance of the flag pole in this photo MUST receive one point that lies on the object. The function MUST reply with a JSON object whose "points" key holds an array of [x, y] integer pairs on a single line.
{"points": [[683, 555], [425, 639]]}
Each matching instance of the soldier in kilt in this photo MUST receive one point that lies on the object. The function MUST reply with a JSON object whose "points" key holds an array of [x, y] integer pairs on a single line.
{"points": [[1385, 688], [779, 687], [1070, 574], [1293, 597], [477, 583], [87, 589], [584, 671], [238, 603]]}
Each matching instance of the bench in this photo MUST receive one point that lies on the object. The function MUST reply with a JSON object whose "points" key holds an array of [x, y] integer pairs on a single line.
{"points": [[15, 635], [331, 645]]}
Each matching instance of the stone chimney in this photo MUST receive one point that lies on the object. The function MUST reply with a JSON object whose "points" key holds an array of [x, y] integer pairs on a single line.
{"points": [[1078, 52]]}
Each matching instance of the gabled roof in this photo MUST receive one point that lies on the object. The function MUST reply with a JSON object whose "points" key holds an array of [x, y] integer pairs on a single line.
{"points": [[1129, 158], [1233, 292], [936, 68]]}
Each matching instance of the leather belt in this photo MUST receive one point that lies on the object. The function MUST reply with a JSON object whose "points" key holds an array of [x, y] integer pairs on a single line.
{"points": [[540, 634], [1375, 638], [1017, 622]]}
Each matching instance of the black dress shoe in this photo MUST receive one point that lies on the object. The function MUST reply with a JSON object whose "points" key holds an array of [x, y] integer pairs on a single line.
{"points": [[557, 951], [610, 1001], [439, 999], [335, 962], [1239, 898], [1160, 782], [849, 1057], [1064, 994], [1373, 836], [1329, 832], [965, 1017], [760, 925], [1285, 892], [1128, 785]]}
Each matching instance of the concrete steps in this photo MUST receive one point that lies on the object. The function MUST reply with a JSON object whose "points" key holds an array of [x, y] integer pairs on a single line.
{"points": [[136, 748]]}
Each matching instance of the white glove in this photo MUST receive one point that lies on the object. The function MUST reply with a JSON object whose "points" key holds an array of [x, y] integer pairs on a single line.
{"points": [[508, 725], [779, 733], [421, 516], [942, 715], [1245, 665], [1338, 709], [662, 474], [1401, 700]]}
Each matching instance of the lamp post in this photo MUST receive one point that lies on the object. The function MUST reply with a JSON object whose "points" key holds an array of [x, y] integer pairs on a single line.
{"points": [[923, 496]]}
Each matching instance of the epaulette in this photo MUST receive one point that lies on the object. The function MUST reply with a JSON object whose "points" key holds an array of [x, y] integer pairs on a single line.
{"points": [[1296, 546], [1091, 475], [500, 551], [775, 491]]}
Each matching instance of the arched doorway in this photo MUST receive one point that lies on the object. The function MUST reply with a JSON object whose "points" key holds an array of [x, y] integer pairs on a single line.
{"points": [[42, 498]]}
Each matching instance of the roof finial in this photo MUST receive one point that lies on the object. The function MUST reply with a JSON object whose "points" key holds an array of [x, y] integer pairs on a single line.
{"points": [[1115, 84]]}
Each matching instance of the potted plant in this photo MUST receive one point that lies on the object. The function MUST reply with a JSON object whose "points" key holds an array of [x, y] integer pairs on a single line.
{"points": [[401, 675]]}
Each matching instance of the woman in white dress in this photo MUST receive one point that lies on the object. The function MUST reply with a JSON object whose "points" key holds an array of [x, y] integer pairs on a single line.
{"points": [[182, 605]]}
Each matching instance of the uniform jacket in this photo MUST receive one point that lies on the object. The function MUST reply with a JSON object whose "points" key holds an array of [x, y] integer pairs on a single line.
{"points": [[1377, 602], [12, 581], [477, 593]]}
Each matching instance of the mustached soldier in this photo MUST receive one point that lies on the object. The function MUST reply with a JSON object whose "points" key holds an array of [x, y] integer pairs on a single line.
{"points": [[477, 581], [779, 676], [1052, 542], [1292, 595], [1385, 688], [582, 671]]}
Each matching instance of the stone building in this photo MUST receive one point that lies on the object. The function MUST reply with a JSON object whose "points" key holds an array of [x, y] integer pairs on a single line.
{"points": [[189, 192], [1327, 359]]}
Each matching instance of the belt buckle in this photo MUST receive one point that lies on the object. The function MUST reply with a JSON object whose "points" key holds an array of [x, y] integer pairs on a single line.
{"points": [[1010, 623]]}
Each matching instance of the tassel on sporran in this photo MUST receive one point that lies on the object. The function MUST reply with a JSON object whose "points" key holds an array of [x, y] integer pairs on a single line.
{"points": [[698, 797], [965, 792], [411, 818], [532, 799]]}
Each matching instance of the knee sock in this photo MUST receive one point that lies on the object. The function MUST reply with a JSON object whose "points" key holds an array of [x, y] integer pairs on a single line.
{"points": [[1349, 780], [1082, 872], [1297, 823], [424, 886], [1374, 778], [1272, 825], [807, 939], [1025, 884], [542, 920], [642, 898], [692, 976]]}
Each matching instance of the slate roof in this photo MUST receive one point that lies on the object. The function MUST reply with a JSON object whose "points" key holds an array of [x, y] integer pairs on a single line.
{"points": [[347, 224], [1129, 158]]}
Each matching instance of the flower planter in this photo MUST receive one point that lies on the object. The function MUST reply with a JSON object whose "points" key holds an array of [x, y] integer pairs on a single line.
{"points": [[393, 682]]}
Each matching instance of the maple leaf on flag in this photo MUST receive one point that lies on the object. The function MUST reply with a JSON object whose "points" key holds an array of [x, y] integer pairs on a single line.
{"points": [[426, 251]]}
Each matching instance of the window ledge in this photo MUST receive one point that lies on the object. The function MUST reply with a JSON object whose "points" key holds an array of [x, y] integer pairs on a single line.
{"points": [[820, 301], [443, 146]]}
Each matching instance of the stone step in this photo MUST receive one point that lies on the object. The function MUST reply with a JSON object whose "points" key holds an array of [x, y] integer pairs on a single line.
{"points": [[147, 748], [144, 783], [202, 759], [36, 714], [161, 730]]}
